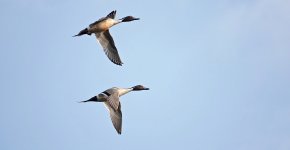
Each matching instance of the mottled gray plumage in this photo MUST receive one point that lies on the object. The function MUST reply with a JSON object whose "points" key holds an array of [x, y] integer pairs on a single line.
{"points": [[108, 44], [116, 116], [110, 97]]}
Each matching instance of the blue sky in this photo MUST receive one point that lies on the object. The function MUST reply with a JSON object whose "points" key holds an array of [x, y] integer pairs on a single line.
{"points": [[218, 74]]}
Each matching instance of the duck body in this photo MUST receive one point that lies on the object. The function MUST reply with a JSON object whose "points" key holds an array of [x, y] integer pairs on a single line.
{"points": [[110, 98], [102, 25], [101, 29]]}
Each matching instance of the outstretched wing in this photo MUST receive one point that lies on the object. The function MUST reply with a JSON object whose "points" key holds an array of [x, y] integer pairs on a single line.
{"points": [[116, 116], [110, 15], [108, 44]]}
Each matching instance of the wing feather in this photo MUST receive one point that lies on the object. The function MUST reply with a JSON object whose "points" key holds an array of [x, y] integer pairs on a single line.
{"points": [[108, 44], [116, 117]]}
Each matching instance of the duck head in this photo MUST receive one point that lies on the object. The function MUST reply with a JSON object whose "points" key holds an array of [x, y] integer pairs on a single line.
{"points": [[129, 18], [139, 88]]}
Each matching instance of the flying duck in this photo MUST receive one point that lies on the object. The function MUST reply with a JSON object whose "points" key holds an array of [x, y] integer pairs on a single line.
{"points": [[110, 97], [101, 30]]}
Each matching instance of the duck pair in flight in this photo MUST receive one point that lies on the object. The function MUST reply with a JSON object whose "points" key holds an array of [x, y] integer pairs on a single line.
{"points": [[111, 96]]}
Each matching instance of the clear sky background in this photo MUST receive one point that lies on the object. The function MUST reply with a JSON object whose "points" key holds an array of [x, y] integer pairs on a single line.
{"points": [[218, 73]]}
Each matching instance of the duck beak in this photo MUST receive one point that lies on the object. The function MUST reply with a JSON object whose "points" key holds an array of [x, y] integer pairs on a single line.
{"points": [[146, 88], [136, 18]]}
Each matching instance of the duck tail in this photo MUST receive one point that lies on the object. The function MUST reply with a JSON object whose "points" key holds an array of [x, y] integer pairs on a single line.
{"points": [[84, 31], [93, 99]]}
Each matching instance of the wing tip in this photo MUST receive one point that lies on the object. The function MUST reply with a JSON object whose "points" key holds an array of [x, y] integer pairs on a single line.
{"points": [[112, 14], [119, 132], [118, 63]]}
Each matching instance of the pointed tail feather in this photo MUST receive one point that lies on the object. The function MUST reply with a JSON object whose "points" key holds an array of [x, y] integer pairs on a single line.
{"points": [[93, 99], [84, 31]]}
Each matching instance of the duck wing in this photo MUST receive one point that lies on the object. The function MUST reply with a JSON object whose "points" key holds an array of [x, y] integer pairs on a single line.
{"points": [[108, 44], [116, 116], [113, 98], [110, 15]]}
